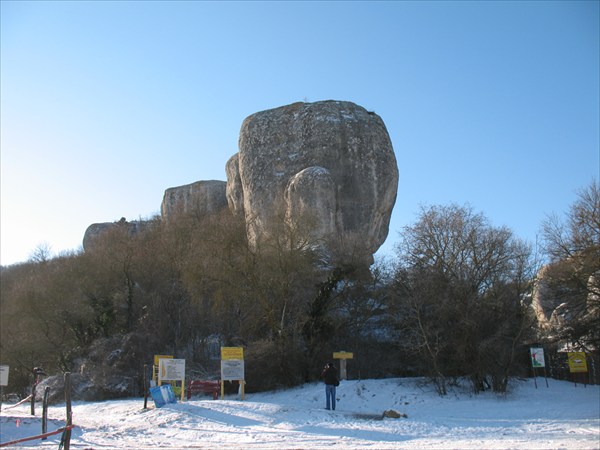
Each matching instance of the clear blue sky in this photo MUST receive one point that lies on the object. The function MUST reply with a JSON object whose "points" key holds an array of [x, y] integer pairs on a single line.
{"points": [[104, 105]]}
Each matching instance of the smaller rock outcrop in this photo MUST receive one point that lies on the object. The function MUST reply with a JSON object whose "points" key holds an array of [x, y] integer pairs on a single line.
{"points": [[96, 229], [199, 199]]}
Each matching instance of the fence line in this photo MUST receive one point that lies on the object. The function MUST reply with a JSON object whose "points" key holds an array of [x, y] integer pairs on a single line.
{"points": [[41, 436]]}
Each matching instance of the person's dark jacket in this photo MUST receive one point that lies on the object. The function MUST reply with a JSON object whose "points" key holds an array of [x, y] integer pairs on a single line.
{"points": [[329, 375]]}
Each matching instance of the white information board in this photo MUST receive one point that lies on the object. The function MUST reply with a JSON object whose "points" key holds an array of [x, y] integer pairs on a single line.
{"points": [[232, 369], [3, 375], [537, 357], [171, 369]]}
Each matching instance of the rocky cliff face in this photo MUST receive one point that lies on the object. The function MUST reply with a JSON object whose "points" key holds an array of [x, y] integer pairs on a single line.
{"points": [[326, 167], [331, 162]]}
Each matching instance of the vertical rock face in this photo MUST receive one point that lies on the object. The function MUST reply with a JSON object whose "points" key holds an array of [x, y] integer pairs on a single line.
{"points": [[200, 199], [331, 159]]}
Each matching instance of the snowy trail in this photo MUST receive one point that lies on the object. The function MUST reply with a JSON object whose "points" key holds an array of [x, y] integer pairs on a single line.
{"points": [[561, 416]]}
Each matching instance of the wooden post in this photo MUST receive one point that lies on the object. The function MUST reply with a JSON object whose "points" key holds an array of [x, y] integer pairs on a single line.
{"points": [[45, 412], [35, 382], [67, 435], [343, 372], [145, 386]]}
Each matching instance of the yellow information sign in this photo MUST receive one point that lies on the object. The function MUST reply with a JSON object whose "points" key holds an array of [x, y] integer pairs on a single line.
{"points": [[577, 362], [343, 355], [232, 353]]}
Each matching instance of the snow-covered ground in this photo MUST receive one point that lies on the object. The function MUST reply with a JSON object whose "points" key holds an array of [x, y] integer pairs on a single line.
{"points": [[561, 416]]}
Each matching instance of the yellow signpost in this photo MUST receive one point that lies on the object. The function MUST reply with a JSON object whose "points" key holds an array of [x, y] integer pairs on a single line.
{"points": [[343, 356]]}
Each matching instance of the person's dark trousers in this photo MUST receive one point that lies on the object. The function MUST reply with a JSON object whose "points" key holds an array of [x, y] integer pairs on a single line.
{"points": [[330, 396]]}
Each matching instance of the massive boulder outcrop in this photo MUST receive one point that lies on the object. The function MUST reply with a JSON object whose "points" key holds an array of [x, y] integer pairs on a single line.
{"points": [[200, 199], [329, 164]]}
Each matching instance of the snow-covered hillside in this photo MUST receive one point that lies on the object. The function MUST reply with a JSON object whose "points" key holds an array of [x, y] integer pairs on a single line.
{"points": [[561, 416]]}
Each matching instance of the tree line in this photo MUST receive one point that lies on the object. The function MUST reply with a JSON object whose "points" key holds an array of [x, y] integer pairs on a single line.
{"points": [[453, 302]]}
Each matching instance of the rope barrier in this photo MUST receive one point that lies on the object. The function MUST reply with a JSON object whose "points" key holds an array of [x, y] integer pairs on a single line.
{"points": [[31, 438], [20, 403]]}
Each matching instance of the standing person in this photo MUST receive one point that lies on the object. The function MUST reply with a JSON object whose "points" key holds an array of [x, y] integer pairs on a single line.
{"points": [[330, 378]]}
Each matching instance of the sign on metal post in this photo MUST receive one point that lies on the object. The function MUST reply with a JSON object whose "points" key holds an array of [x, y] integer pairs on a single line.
{"points": [[577, 364], [537, 357], [538, 362], [232, 367]]}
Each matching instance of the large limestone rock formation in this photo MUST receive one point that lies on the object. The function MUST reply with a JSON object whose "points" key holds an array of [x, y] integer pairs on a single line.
{"points": [[326, 168], [201, 198], [329, 164]]}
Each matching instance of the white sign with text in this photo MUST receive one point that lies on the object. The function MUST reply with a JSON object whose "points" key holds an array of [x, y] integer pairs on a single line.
{"points": [[232, 369], [171, 369]]}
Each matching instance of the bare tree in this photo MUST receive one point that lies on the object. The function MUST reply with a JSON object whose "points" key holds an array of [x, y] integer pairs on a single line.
{"points": [[459, 289], [42, 253]]}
